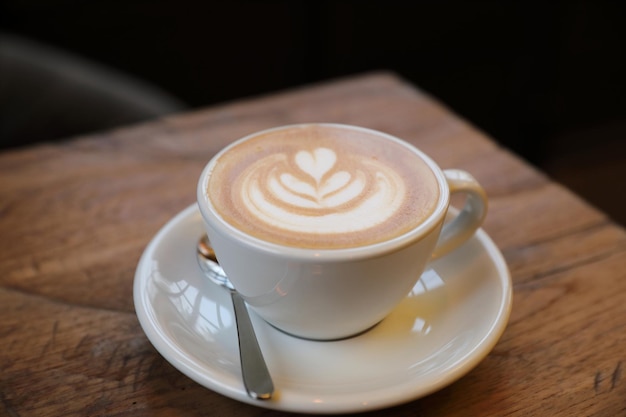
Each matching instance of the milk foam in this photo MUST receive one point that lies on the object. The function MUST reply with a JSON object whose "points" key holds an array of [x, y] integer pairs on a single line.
{"points": [[322, 186], [315, 192]]}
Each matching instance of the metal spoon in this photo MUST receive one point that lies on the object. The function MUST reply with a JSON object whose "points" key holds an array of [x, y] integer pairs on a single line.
{"points": [[256, 377]]}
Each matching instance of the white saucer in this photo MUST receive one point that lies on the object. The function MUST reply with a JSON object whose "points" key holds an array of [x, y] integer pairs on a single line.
{"points": [[444, 328]]}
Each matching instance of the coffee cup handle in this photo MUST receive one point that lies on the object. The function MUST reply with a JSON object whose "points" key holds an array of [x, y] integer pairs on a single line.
{"points": [[469, 219]]}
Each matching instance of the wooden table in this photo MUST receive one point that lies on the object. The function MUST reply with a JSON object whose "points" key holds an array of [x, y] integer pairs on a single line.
{"points": [[76, 216]]}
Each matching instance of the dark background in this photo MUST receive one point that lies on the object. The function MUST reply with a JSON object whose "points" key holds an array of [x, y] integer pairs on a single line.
{"points": [[545, 79]]}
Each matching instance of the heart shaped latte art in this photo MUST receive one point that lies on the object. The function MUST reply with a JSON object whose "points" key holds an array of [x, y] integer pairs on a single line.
{"points": [[316, 163], [318, 186], [320, 191]]}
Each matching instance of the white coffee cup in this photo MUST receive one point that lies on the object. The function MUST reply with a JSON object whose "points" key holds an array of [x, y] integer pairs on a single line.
{"points": [[327, 293]]}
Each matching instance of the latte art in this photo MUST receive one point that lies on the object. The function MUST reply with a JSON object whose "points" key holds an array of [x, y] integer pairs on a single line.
{"points": [[322, 186], [314, 192]]}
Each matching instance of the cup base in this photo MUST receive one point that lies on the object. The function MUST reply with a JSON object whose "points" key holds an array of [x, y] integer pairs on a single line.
{"points": [[322, 339]]}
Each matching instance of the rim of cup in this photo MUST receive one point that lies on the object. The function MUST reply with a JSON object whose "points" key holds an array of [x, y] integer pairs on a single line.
{"points": [[211, 216]]}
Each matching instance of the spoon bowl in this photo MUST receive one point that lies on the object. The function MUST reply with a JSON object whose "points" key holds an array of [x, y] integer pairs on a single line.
{"points": [[209, 265]]}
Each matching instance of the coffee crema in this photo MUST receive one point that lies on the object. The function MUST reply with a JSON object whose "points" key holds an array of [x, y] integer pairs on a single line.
{"points": [[322, 187]]}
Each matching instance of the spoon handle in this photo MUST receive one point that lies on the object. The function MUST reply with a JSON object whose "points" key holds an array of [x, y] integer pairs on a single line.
{"points": [[256, 377]]}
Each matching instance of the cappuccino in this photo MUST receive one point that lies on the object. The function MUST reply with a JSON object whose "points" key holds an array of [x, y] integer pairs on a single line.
{"points": [[322, 187]]}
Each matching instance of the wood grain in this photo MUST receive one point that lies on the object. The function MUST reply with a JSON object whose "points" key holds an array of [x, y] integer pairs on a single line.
{"points": [[75, 216]]}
